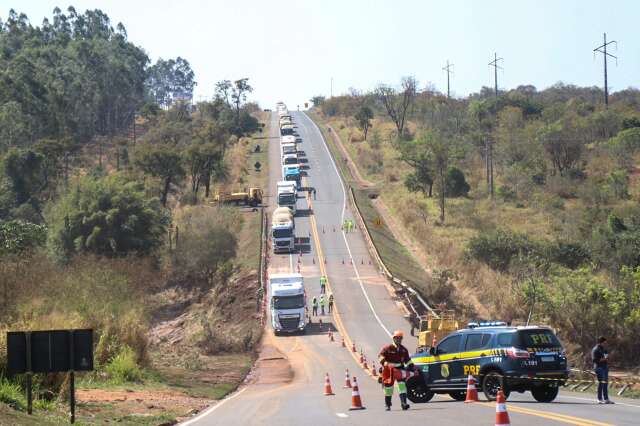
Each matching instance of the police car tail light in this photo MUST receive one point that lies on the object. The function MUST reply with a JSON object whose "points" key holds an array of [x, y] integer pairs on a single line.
{"points": [[517, 353]]}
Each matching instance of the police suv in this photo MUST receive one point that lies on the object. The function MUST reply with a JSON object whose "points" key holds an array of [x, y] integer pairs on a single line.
{"points": [[517, 358]]}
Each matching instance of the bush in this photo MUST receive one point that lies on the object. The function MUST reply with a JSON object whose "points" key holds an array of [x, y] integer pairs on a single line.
{"points": [[506, 193], [206, 241], [12, 395], [123, 368], [110, 216], [17, 236], [457, 185], [568, 254], [498, 248]]}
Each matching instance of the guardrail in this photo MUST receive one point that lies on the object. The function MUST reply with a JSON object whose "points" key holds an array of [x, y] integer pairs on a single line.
{"points": [[407, 289]]}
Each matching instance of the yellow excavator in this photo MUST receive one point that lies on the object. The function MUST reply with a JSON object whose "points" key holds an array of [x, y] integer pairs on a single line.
{"points": [[251, 197], [434, 327]]}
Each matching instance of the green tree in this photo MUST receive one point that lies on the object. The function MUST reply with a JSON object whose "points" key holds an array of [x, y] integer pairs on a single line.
{"points": [[363, 117], [417, 155], [170, 80], [108, 216], [397, 104], [24, 170], [317, 100], [162, 161]]}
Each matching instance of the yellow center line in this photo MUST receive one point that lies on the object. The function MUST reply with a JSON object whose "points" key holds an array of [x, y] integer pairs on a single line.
{"points": [[336, 312], [563, 418]]}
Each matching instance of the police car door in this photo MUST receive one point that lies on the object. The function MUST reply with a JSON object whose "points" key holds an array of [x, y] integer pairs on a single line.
{"points": [[471, 360], [447, 366]]}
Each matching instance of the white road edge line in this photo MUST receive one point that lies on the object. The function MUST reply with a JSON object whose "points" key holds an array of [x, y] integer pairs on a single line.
{"points": [[594, 401], [344, 235], [212, 409]]}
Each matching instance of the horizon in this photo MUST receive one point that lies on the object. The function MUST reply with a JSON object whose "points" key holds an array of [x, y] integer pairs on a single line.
{"points": [[547, 48]]}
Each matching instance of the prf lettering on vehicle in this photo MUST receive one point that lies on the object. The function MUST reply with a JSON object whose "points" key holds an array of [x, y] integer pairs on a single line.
{"points": [[471, 369]]}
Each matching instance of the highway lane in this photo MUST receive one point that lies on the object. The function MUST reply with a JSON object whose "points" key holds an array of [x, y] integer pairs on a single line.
{"points": [[287, 384]]}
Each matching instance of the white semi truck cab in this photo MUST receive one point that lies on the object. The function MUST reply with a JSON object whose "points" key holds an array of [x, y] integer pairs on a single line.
{"points": [[287, 301], [287, 195]]}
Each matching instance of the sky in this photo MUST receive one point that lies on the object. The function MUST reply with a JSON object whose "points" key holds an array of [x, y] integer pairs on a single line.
{"points": [[291, 50]]}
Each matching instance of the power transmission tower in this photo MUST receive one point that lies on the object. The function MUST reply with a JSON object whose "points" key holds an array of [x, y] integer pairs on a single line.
{"points": [[449, 70], [495, 66], [603, 49], [488, 141]]}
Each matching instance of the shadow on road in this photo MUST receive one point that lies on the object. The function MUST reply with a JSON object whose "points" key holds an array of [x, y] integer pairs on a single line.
{"points": [[313, 328]]}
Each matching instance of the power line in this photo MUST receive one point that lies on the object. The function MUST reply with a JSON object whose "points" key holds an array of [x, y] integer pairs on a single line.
{"points": [[603, 49], [495, 66], [449, 70]]}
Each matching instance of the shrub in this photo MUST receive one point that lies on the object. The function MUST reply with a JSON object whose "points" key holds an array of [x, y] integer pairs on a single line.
{"points": [[498, 248], [17, 236], [12, 395], [506, 193], [123, 368], [110, 216], [457, 185], [206, 242], [568, 254]]}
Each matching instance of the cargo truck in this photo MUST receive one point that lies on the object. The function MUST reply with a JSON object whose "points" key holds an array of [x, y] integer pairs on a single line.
{"points": [[288, 148], [287, 195], [291, 172], [287, 301], [283, 230], [286, 129]]}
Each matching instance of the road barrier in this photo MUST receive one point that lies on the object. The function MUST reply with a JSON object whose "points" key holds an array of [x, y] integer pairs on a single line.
{"points": [[502, 417], [356, 401], [472, 391], [327, 386]]}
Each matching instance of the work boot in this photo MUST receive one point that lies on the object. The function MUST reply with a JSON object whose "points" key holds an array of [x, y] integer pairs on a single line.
{"points": [[403, 401], [387, 402]]}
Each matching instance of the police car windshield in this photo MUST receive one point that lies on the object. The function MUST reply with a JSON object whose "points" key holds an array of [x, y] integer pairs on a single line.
{"points": [[288, 302]]}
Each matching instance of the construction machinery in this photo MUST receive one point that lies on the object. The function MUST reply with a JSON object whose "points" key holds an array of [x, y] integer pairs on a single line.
{"points": [[434, 326], [251, 197]]}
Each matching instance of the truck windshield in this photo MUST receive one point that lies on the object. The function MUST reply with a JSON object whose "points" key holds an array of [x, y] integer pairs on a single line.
{"points": [[286, 131], [282, 233], [288, 302], [286, 199]]}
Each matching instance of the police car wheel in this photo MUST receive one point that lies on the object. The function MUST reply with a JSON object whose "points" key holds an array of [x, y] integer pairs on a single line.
{"points": [[545, 393], [417, 392], [458, 396], [492, 382]]}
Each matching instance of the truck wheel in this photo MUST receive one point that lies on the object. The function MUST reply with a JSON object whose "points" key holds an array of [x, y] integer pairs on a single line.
{"points": [[492, 382], [545, 393], [458, 396], [417, 392]]}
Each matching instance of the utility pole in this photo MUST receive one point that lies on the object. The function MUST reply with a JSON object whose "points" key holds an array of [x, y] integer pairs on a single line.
{"points": [[603, 49], [331, 93], [495, 66], [449, 70], [488, 141]]}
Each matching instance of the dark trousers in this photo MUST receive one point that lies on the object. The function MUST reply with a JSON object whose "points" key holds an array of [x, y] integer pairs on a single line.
{"points": [[330, 307], [603, 379], [315, 310]]}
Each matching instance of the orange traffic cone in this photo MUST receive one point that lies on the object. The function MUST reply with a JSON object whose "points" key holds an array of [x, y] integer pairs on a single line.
{"points": [[347, 382], [472, 392], [433, 342], [320, 324], [364, 364], [374, 373], [344, 345], [356, 402], [361, 356], [502, 417], [327, 385], [353, 348]]}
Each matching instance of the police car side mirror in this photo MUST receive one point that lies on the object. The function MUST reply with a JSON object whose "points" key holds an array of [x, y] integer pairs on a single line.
{"points": [[432, 350]]}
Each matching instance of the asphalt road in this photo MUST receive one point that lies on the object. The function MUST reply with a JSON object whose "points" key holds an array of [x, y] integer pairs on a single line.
{"points": [[286, 386]]}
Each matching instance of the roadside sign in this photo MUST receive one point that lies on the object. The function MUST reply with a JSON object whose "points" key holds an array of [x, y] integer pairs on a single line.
{"points": [[377, 222], [50, 351]]}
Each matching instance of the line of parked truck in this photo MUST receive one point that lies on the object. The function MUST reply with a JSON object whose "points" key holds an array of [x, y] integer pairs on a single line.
{"points": [[286, 291]]}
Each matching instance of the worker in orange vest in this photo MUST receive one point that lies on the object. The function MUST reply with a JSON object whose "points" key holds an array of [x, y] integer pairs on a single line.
{"points": [[395, 361]]}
